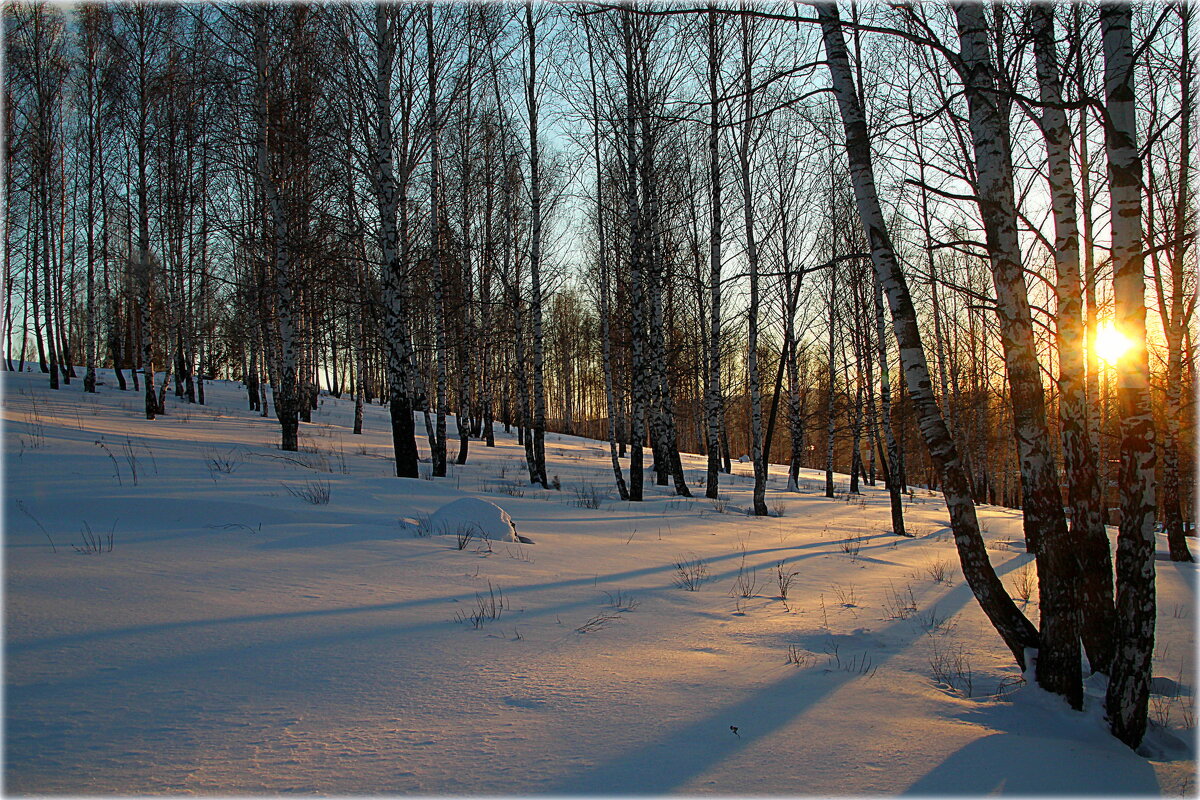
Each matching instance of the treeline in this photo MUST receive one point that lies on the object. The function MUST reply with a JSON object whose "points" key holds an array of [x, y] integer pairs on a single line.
{"points": [[894, 246]]}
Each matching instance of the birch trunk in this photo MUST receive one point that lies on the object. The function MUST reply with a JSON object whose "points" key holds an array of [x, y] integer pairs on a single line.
{"points": [[1016, 631], [438, 436], [1091, 314], [752, 370], [1175, 318], [395, 313], [712, 399], [831, 379], [891, 470], [665, 435], [1087, 534], [286, 395], [93, 122], [1129, 679], [637, 433], [1058, 668], [605, 313], [535, 256], [144, 268]]}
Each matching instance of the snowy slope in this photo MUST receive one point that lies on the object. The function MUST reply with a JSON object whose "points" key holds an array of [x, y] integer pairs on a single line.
{"points": [[239, 638]]}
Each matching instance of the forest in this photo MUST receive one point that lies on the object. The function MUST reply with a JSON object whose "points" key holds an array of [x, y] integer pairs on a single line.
{"points": [[948, 246]]}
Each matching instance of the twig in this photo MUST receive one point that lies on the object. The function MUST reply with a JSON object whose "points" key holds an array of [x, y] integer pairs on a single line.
{"points": [[28, 513]]}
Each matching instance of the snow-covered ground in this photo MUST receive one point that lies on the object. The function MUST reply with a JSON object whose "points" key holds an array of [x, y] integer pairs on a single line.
{"points": [[233, 636]]}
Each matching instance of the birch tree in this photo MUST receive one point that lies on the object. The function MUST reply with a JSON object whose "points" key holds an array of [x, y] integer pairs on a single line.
{"points": [[1058, 667], [1087, 534], [388, 198], [1129, 678], [1016, 631], [532, 105]]}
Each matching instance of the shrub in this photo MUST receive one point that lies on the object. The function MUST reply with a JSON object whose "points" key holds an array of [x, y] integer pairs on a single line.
{"points": [[1025, 582], [746, 583], [487, 608], [939, 570], [783, 579], [899, 604], [690, 573], [851, 545], [93, 543], [622, 601], [588, 496], [596, 623], [315, 491], [951, 668]]}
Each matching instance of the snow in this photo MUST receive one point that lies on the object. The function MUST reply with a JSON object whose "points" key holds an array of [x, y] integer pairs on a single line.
{"points": [[240, 638], [473, 517]]}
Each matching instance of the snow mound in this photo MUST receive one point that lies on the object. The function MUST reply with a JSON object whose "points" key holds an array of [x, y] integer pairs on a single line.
{"points": [[483, 518]]}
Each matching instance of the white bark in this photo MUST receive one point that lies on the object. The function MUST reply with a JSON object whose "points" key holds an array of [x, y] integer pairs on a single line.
{"points": [[1129, 681]]}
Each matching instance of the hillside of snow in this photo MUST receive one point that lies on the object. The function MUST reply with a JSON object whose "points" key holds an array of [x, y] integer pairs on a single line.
{"points": [[190, 610]]}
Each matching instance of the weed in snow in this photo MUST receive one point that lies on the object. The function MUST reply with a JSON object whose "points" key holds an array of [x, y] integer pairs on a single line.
{"points": [[596, 623], [938, 570], [587, 495], [951, 668], [487, 607], [745, 585], [1025, 582], [36, 521], [899, 603], [622, 601], [861, 664], [851, 545], [934, 622], [223, 463], [846, 595], [93, 543], [690, 572], [801, 658], [783, 579], [315, 491]]}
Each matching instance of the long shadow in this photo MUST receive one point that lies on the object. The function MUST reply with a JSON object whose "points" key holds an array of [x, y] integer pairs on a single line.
{"points": [[1187, 576], [666, 762], [123, 675], [16, 648], [1021, 764]]}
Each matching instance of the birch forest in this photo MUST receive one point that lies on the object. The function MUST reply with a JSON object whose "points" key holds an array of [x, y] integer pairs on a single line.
{"points": [[939, 245]]}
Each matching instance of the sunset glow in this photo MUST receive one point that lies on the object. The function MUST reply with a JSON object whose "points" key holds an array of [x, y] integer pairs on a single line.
{"points": [[1111, 344]]}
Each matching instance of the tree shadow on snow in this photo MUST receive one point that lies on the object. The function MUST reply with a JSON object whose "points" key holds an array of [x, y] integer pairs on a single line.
{"points": [[665, 762], [1020, 764]]}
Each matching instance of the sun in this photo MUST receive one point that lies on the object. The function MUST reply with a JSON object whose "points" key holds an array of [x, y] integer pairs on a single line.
{"points": [[1111, 344]]}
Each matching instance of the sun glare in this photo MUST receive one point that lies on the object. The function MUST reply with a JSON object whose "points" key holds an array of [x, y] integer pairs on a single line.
{"points": [[1111, 344]]}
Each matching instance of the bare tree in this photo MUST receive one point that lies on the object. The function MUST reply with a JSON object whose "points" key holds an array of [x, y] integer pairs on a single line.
{"points": [[1129, 679], [1088, 536], [1016, 631]]}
